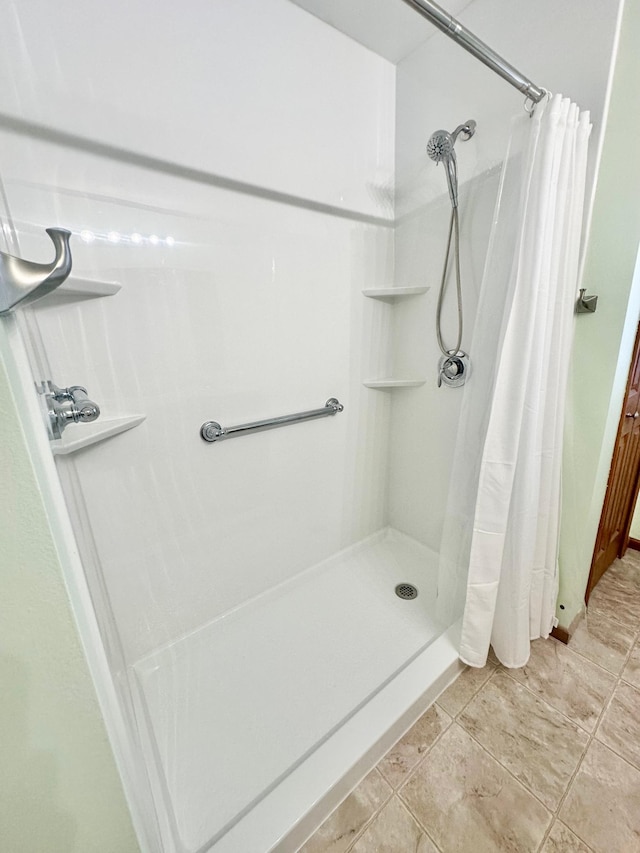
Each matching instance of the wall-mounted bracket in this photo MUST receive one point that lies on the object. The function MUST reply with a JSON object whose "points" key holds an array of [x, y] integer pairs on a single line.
{"points": [[586, 304], [22, 282]]}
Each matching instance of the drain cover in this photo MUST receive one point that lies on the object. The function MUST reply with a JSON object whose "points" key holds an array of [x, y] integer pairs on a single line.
{"points": [[406, 590]]}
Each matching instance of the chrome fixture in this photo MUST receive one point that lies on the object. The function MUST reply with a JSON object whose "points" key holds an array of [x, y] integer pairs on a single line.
{"points": [[22, 282], [212, 431], [453, 369], [67, 405], [456, 31], [440, 149], [406, 591], [586, 304]]}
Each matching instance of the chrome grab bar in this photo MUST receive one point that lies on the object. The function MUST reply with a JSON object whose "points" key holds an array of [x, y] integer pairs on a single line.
{"points": [[212, 431]]}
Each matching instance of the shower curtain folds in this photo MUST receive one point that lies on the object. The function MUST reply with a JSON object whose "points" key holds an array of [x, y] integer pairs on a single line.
{"points": [[504, 496]]}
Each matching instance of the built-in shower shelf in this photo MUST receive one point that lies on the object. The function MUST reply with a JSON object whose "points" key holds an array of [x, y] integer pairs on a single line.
{"points": [[78, 436], [76, 289], [391, 384], [391, 293]]}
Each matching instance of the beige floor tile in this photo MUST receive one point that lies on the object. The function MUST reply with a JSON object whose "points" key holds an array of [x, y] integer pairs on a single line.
{"points": [[464, 688], [630, 565], [603, 641], [339, 830], [620, 726], [617, 597], [403, 757], [394, 831], [631, 672], [536, 743], [569, 682], [491, 657], [469, 803], [562, 840], [603, 805]]}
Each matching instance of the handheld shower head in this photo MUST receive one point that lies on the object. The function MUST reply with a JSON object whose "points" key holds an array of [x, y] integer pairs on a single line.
{"points": [[440, 145], [440, 149]]}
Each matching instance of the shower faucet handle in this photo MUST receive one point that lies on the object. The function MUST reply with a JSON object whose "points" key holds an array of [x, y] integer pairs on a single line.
{"points": [[453, 369], [68, 405]]}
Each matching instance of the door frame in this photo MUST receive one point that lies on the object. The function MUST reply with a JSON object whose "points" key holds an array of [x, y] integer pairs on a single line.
{"points": [[593, 580]]}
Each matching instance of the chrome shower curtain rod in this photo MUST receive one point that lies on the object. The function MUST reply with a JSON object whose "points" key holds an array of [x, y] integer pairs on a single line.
{"points": [[454, 29]]}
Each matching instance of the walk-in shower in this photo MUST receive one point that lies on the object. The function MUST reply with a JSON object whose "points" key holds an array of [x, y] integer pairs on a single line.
{"points": [[267, 608]]}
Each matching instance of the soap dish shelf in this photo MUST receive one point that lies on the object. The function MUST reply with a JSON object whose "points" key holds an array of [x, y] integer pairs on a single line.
{"points": [[392, 384], [77, 289], [390, 294], [94, 433]]}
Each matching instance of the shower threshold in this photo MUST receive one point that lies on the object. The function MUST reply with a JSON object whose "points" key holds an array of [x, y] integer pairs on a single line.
{"points": [[252, 719]]}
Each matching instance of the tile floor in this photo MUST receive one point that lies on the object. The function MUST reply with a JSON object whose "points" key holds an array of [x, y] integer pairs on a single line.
{"points": [[544, 758]]}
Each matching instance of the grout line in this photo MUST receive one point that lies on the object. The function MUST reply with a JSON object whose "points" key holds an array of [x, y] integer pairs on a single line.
{"points": [[372, 817], [549, 705], [411, 772], [395, 789], [421, 825], [559, 711], [592, 737], [414, 769], [510, 772], [506, 769], [614, 625], [494, 669], [617, 754], [555, 813], [423, 828]]}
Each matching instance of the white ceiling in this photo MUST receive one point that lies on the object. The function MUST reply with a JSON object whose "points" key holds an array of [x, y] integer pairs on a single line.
{"points": [[388, 27]]}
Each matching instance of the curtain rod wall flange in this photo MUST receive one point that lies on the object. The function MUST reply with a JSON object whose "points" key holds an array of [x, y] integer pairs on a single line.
{"points": [[456, 31]]}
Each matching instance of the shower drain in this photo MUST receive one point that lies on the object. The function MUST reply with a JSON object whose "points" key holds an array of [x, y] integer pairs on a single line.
{"points": [[406, 590]]}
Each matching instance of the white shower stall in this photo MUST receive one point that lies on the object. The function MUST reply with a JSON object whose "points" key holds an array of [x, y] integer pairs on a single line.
{"points": [[257, 229]]}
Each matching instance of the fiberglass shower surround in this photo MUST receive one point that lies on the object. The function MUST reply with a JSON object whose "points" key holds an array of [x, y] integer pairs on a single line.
{"points": [[255, 657]]}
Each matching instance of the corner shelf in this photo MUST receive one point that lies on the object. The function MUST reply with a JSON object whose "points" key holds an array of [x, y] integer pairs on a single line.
{"points": [[88, 434], [77, 289], [390, 384], [392, 293]]}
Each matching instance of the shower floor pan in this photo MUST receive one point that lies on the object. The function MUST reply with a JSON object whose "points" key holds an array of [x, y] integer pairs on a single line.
{"points": [[249, 721]]}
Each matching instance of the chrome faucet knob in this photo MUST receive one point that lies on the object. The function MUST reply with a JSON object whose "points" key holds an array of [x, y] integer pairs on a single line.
{"points": [[88, 413], [68, 406]]}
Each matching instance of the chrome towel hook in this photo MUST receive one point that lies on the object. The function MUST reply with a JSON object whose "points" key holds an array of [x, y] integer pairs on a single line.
{"points": [[586, 304], [22, 282]]}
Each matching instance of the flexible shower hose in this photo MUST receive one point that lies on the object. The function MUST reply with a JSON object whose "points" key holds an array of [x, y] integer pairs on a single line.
{"points": [[453, 226]]}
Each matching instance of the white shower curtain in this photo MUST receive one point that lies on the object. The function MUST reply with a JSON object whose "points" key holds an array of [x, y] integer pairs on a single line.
{"points": [[504, 502]]}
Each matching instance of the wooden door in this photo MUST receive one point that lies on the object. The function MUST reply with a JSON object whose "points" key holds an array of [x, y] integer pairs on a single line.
{"points": [[624, 480]]}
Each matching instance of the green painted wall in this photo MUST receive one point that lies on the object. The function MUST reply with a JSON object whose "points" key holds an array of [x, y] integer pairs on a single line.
{"points": [[60, 791], [603, 342]]}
